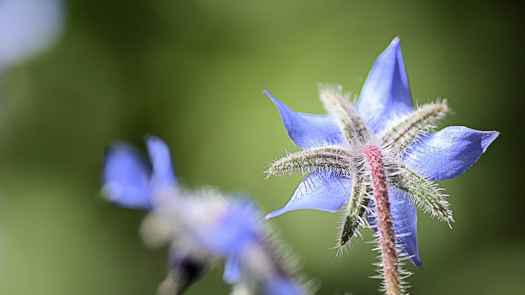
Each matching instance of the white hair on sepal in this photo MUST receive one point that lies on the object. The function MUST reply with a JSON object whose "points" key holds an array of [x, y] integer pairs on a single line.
{"points": [[403, 131], [330, 159], [425, 193], [356, 149], [340, 246], [337, 88], [353, 214]]}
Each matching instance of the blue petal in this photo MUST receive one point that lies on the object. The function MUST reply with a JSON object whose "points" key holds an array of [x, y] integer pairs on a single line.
{"points": [[163, 174], [386, 92], [232, 270], [281, 285], [404, 215], [448, 153], [308, 130], [319, 190], [227, 231], [125, 177]]}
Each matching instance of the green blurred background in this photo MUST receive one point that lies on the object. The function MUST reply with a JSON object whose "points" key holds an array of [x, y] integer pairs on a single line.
{"points": [[192, 73]]}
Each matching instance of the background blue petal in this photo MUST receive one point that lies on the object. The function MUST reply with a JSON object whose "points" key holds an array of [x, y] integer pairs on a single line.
{"points": [[308, 130], [125, 177], [281, 285], [404, 215], [319, 190], [229, 228], [159, 153], [232, 270], [386, 92], [448, 153]]}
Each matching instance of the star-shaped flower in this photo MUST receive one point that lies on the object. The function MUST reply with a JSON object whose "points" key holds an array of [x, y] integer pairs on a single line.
{"points": [[333, 154], [203, 225]]}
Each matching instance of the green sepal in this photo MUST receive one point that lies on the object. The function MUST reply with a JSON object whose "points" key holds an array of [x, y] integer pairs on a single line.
{"points": [[356, 209], [305, 161], [344, 113], [407, 129], [425, 193]]}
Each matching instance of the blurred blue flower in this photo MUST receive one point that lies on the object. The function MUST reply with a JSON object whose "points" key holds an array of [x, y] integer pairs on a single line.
{"points": [[204, 224], [282, 285], [130, 181], [384, 115], [233, 229], [28, 27]]}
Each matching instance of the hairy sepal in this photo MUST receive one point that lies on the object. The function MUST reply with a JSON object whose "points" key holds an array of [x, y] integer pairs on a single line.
{"points": [[335, 159], [405, 130], [353, 217], [344, 113], [425, 193]]}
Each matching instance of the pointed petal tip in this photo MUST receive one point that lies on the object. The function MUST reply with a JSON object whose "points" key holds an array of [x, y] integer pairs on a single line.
{"points": [[386, 92], [450, 152], [394, 46], [488, 139], [160, 157], [396, 41], [270, 96], [152, 141], [275, 213], [416, 261], [151, 137], [268, 93]]}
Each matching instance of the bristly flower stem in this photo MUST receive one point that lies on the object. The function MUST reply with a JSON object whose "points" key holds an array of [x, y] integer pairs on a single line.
{"points": [[390, 261]]}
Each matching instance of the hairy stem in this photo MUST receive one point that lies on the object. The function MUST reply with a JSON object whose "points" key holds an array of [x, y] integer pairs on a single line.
{"points": [[384, 220]]}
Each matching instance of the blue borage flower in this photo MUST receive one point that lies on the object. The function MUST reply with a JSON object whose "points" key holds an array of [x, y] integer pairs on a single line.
{"points": [[204, 225], [332, 154]]}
